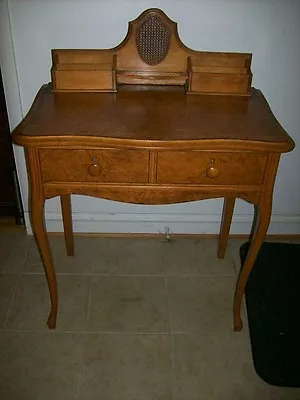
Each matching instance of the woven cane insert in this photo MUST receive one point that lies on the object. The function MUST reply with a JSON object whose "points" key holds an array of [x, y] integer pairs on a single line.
{"points": [[153, 40]]}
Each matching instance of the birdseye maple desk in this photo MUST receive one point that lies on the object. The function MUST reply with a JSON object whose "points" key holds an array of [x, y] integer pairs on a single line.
{"points": [[150, 144]]}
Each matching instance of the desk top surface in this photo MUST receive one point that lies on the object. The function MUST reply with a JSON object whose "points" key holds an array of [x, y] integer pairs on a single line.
{"points": [[152, 116]]}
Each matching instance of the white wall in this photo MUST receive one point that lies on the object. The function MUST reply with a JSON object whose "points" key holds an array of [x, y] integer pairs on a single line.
{"points": [[269, 29]]}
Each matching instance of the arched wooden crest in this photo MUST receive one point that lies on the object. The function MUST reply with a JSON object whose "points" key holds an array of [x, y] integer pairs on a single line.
{"points": [[152, 44]]}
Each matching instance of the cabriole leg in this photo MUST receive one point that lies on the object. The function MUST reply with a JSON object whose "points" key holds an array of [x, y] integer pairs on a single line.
{"points": [[37, 202], [38, 224], [262, 223]]}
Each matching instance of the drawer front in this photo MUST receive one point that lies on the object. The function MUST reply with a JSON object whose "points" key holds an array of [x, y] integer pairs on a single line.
{"points": [[210, 168], [105, 165]]}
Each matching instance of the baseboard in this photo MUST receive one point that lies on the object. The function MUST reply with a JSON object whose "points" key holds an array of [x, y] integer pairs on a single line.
{"points": [[162, 223]]}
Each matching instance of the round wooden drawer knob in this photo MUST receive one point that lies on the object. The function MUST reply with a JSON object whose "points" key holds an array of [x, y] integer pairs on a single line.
{"points": [[212, 171], [94, 169]]}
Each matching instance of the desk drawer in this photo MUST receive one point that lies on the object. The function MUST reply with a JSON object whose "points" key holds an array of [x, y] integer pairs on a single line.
{"points": [[210, 168], [105, 165]]}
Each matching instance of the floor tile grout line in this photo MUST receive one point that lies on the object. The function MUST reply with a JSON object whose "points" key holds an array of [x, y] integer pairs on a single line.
{"points": [[89, 302], [12, 302], [79, 332], [236, 268], [31, 241], [99, 333], [232, 250], [81, 374], [138, 275], [168, 304], [172, 364], [11, 273], [81, 369], [94, 259]]}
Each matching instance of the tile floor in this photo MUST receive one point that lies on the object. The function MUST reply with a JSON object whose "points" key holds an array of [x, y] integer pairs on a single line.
{"points": [[139, 319]]}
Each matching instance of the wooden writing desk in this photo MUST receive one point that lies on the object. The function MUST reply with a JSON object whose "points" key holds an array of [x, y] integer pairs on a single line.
{"points": [[101, 130]]}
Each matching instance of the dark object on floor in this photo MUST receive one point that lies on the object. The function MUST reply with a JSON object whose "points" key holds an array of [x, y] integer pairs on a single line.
{"points": [[273, 305]]}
